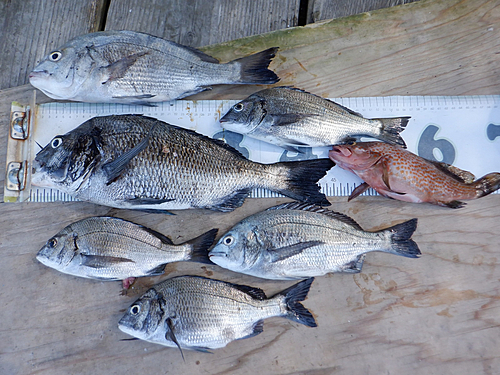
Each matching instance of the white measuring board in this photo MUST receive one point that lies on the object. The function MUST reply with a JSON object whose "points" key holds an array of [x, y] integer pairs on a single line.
{"points": [[463, 131]]}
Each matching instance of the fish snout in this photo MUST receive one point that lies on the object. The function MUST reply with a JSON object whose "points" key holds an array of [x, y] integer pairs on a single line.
{"points": [[339, 150], [38, 74]]}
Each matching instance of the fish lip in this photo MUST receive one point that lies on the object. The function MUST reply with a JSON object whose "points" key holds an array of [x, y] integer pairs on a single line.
{"points": [[341, 150], [39, 74], [217, 253], [223, 119]]}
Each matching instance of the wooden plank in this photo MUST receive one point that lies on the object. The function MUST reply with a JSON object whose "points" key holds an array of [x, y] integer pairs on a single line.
{"points": [[32, 28], [428, 47], [198, 23], [436, 315], [319, 10]]}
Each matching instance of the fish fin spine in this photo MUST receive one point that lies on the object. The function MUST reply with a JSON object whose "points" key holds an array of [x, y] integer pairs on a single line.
{"points": [[302, 178], [487, 184], [295, 310], [401, 242], [391, 129], [201, 244], [254, 68]]}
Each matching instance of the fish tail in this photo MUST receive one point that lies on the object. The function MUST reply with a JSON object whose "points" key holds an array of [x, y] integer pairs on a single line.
{"points": [[295, 310], [200, 246], [254, 68], [487, 184], [302, 177], [391, 127], [401, 242]]}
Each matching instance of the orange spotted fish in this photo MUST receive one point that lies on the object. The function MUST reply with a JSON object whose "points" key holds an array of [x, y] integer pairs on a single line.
{"points": [[397, 173]]}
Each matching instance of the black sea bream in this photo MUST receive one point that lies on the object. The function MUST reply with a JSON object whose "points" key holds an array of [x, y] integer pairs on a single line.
{"points": [[133, 67], [137, 162]]}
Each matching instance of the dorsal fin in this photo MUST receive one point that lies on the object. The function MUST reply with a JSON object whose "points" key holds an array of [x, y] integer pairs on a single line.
{"points": [[458, 174], [318, 209], [164, 239], [251, 291]]}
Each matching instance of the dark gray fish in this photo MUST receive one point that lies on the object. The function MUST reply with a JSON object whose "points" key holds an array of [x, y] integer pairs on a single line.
{"points": [[296, 240], [108, 248], [137, 162], [133, 67], [197, 313], [291, 118]]}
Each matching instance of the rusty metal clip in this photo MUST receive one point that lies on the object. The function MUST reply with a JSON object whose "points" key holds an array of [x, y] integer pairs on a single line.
{"points": [[16, 176], [19, 124]]}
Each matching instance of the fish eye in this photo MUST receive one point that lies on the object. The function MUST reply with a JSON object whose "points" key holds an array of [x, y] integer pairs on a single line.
{"points": [[56, 142], [351, 143], [55, 56], [52, 242], [228, 240], [238, 107], [136, 309]]}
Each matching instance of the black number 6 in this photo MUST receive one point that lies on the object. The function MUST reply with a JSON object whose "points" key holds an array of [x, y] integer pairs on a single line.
{"points": [[427, 143]]}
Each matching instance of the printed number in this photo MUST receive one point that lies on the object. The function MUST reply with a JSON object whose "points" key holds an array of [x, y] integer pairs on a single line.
{"points": [[493, 131], [233, 140], [304, 154], [427, 144]]}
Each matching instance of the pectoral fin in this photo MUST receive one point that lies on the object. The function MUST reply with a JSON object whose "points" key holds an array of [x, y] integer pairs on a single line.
{"points": [[100, 261], [170, 335], [118, 68], [285, 252], [114, 169], [288, 118]]}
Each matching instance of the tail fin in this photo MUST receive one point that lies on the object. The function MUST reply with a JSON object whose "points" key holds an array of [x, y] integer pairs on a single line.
{"points": [[302, 178], [391, 127], [201, 244], [295, 310], [254, 68], [402, 244], [487, 184]]}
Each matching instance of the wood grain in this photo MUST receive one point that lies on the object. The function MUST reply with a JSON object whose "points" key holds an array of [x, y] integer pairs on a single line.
{"points": [[32, 28], [439, 314], [198, 23], [319, 10]]}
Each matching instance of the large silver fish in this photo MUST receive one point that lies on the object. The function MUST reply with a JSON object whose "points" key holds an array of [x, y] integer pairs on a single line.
{"points": [[137, 162], [291, 118], [108, 248], [132, 67], [295, 240], [200, 314]]}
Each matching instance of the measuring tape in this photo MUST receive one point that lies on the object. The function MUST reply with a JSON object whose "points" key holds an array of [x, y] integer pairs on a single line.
{"points": [[463, 131]]}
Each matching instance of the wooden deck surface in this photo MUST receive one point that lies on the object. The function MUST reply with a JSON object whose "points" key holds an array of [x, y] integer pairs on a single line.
{"points": [[439, 314]]}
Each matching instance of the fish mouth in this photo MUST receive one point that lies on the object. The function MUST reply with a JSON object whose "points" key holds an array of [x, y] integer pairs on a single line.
{"points": [[38, 74], [341, 151], [216, 254]]}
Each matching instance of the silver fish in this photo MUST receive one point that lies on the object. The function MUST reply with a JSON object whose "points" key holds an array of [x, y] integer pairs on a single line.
{"points": [[200, 314], [295, 240], [137, 162], [291, 118], [133, 67], [108, 248]]}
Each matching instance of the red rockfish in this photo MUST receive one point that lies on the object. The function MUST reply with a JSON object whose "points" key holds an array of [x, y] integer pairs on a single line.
{"points": [[397, 173]]}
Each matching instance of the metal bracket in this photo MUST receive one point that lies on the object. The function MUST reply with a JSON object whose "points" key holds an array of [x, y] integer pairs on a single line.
{"points": [[16, 176], [19, 124]]}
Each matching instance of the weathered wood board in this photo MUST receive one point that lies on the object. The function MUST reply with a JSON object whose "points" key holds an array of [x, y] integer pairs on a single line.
{"points": [[435, 315]]}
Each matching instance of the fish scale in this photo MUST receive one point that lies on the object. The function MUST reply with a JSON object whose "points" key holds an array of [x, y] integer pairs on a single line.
{"points": [[198, 313], [138, 162], [296, 240], [136, 68], [400, 174]]}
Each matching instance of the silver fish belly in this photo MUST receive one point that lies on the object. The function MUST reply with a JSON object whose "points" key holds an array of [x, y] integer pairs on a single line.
{"points": [[291, 118], [133, 67], [137, 162], [197, 313], [295, 240], [108, 248]]}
